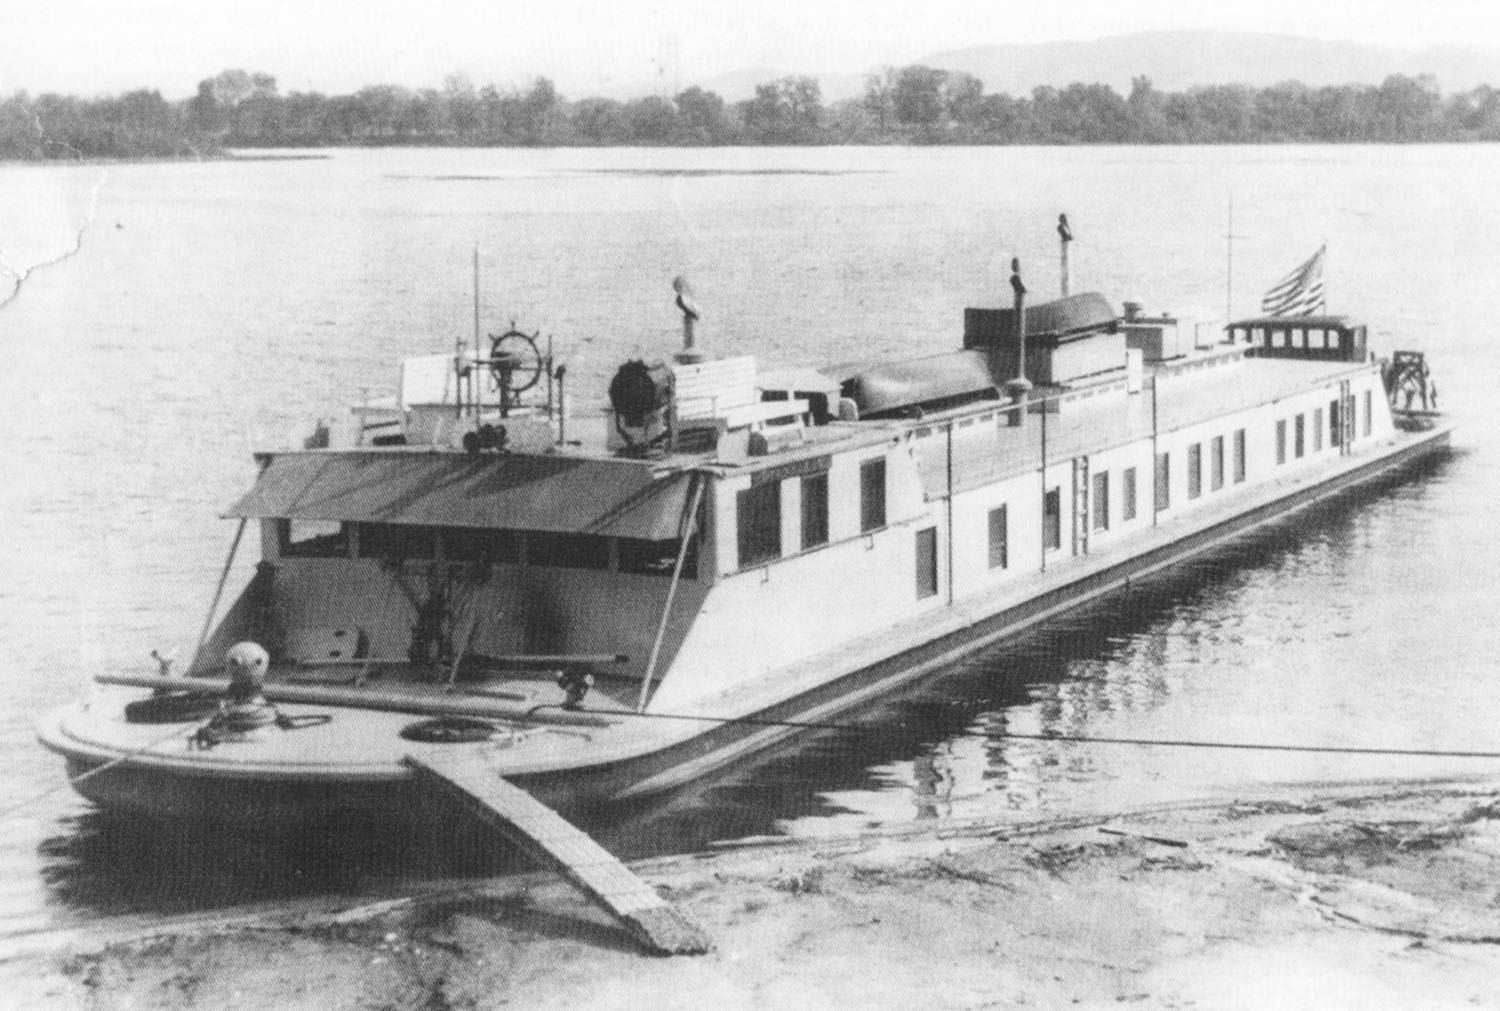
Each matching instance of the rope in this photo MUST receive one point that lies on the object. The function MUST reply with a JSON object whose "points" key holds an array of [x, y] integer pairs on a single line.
{"points": [[281, 721], [1150, 742], [73, 781]]}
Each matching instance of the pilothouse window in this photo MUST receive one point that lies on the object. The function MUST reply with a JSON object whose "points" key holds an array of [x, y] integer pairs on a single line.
{"points": [[567, 551], [313, 539], [814, 511], [872, 494], [657, 558], [394, 542], [483, 546], [758, 510]]}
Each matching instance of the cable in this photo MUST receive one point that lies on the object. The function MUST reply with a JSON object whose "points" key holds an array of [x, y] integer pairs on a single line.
{"points": [[73, 781], [1078, 739]]}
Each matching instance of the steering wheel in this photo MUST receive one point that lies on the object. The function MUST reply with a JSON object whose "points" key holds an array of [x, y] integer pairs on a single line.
{"points": [[515, 361]]}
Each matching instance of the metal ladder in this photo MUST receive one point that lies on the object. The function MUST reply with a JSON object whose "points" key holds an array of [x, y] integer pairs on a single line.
{"points": [[1080, 505]]}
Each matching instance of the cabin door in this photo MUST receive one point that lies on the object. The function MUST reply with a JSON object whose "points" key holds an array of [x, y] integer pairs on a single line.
{"points": [[1080, 505]]}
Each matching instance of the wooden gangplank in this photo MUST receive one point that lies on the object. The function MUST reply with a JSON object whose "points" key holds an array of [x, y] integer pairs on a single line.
{"points": [[554, 842]]}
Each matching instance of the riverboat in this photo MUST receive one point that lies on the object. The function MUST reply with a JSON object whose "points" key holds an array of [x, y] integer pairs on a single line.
{"points": [[601, 613]]}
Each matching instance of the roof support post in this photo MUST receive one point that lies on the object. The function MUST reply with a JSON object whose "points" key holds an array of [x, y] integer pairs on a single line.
{"points": [[689, 525], [213, 607]]}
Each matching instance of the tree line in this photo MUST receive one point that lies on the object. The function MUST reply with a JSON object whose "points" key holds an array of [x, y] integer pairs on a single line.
{"points": [[906, 105]]}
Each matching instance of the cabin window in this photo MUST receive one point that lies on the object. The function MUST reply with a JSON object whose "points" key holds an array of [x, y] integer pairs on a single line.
{"points": [[1317, 339], [1101, 500], [567, 551], [488, 547], [1163, 481], [872, 495], [1278, 338], [1369, 412], [1195, 470], [1281, 441], [1127, 494], [1239, 455], [1299, 339], [1299, 432], [999, 539], [395, 542], [657, 558], [1317, 429], [1216, 463], [1052, 519], [759, 519], [1333, 423], [814, 511], [927, 573], [313, 538]]}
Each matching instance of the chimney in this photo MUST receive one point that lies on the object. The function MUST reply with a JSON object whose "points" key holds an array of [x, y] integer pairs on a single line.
{"points": [[1018, 388], [689, 306]]}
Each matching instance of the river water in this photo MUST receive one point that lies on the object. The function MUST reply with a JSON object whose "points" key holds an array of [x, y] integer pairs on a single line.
{"points": [[216, 307]]}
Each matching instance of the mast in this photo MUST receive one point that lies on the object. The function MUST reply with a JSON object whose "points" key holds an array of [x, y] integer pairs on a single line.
{"points": [[1065, 236], [1229, 270], [475, 373]]}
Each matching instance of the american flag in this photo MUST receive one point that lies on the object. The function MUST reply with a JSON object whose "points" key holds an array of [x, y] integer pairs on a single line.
{"points": [[1300, 293]]}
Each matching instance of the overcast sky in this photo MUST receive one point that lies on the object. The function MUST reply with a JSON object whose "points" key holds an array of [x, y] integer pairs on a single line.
{"points": [[97, 46]]}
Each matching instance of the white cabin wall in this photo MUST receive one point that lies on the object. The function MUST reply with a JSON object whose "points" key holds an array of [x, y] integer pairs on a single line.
{"points": [[808, 603], [775, 613], [1259, 423], [1022, 498], [1115, 462]]}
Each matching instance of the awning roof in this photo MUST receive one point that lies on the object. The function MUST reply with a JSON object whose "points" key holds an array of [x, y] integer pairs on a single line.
{"points": [[615, 498]]}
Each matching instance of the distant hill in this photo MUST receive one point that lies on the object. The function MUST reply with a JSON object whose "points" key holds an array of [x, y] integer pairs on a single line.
{"points": [[1176, 61]]}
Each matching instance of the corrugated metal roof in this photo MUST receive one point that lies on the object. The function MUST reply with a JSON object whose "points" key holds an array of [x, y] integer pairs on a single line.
{"points": [[616, 498]]}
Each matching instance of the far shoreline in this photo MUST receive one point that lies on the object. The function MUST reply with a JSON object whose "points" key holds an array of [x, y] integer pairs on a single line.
{"points": [[326, 152]]}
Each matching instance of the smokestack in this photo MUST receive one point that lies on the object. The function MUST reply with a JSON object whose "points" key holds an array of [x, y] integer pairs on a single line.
{"points": [[689, 306], [1065, 236], [1020, 386]]}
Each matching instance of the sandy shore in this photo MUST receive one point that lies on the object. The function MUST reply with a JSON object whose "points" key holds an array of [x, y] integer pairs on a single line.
{"points": [[1383, 897]]}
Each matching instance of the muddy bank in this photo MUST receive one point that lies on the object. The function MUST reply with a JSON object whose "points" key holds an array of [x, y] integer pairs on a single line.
{"points": [[1371, 898]]}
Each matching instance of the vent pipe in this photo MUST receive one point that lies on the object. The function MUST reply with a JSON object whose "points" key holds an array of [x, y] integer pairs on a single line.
{"points": [[1018, 388], [1065, 237], [690, 314]]}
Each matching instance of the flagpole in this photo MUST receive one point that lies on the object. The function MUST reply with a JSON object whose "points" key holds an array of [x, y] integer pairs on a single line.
{"points": [[1229, 272]]}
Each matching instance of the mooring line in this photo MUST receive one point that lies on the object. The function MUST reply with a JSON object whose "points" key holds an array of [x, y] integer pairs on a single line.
{"points": [[1152, 742], [1145, 742], [71, 781]]}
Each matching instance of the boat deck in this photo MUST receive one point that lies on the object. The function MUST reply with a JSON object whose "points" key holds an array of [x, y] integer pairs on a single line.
{"points": [[526, 689]]}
